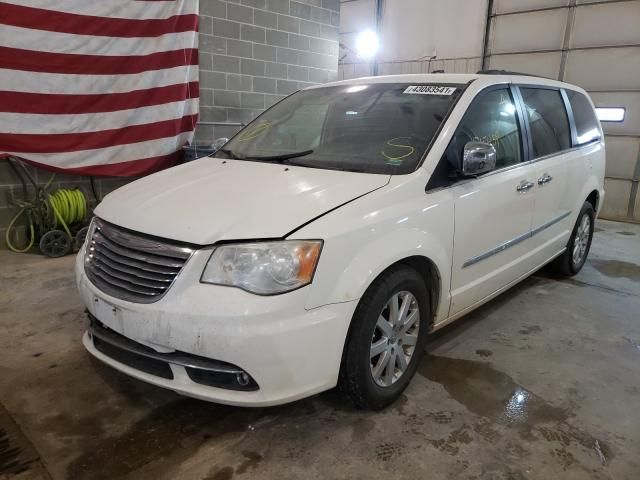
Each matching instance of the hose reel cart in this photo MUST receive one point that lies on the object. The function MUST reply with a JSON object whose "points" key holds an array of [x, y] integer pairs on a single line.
{"points": [[56, 220]]}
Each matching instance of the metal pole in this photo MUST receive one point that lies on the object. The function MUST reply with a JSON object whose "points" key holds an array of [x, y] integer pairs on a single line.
{"points": [[485, 44], [374, 66]]}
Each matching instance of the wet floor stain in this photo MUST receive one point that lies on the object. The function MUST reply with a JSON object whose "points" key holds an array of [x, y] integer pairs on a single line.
{"points": [[527, 329], [385, 451], [251, 461], [361, 428], [171, 429], [490, 393], [225, 473], [451, 444], [498, 400], [483, 352], [628, 234], [617, 269], [441, 418], [598, 229]]}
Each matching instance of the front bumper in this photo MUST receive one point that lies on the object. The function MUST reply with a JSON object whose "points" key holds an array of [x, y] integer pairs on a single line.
{"points": [[289, 351]]}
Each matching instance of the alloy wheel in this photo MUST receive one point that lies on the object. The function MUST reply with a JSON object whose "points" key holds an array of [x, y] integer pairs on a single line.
{"points": [[394, 338], [581, 241]]}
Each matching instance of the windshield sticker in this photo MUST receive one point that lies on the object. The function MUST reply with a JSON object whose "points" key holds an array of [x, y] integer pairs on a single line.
{"points": [[429, 90], [402, 151]]}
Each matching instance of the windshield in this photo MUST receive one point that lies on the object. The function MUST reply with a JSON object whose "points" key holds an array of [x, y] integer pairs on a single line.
{"points": [[375, 128]]}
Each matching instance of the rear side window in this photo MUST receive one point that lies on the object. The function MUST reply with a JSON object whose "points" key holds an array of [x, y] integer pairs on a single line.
{"points": [[548, 120], [587, 128]]}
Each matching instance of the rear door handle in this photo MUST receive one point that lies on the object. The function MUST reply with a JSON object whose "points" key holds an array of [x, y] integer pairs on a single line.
{"points": [[546, 178], [524, 186]]}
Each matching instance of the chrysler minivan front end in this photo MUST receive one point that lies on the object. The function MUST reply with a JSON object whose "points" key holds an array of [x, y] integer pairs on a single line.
{"points": [[181, 327]]}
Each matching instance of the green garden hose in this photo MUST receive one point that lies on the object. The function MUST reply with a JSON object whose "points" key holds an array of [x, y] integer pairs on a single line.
{"points": [[63, 207]]}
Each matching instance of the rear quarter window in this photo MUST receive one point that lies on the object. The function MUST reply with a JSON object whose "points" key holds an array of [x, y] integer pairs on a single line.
{"points": [[587, 127]]}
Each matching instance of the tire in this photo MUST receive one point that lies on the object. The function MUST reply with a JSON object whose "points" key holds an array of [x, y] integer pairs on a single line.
{"points": [[356, 380], [572, 261]]}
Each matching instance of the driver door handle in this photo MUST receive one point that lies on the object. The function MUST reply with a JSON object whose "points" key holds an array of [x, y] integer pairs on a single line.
{"points": [[524, 186], [546, 178]]}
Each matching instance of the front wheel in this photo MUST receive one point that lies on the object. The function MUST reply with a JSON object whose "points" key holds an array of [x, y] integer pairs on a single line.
{"points": [[574, 257], [386, 339]]}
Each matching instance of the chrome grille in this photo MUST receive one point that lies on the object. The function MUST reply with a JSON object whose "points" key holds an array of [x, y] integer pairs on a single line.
{"points": [[132, 266]]}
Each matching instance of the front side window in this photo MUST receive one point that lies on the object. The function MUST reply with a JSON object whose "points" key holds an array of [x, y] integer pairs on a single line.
{"points": [[376, 128], [587, 128], [547, 120], [491, 118]]}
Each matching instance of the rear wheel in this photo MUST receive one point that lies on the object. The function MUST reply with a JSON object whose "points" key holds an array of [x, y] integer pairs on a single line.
{"points": [[386, 339], [574, 257]]}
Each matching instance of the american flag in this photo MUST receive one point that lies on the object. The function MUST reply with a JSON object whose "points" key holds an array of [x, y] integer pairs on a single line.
{"points": [[106, 87]]}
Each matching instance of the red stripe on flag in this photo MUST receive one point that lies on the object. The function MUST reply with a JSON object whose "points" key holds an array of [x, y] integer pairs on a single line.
{"points": [[74, 142], [23, 102], [77, 64], [132, 168], [53, 21]]}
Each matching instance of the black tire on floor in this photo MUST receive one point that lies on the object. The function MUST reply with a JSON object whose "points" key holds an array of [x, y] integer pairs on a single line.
{"points": [[565, 264], [356, 380]]}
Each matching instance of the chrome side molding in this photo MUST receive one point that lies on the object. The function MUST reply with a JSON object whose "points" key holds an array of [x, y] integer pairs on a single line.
{"points": [[515, 241]]}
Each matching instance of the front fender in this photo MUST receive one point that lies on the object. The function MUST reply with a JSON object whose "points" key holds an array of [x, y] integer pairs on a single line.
{"points": [[375, 257], [364, 238]]}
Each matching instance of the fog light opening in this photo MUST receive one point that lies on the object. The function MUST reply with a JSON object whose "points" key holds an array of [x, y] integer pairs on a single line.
{"points": [[243, 379]]}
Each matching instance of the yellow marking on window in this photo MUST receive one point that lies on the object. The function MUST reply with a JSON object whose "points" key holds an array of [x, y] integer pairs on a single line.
{"points": [[397, 145], [254, 132]]}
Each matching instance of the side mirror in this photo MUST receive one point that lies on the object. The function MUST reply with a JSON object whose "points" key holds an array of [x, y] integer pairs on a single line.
{"points": [[218, 143], [478, 158]]}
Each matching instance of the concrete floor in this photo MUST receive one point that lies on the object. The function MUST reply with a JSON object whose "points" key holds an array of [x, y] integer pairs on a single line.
{"points": [[542, 383]]}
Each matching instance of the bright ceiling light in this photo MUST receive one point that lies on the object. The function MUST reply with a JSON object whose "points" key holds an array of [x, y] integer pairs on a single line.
{"points": [[367, 44], [356, 88], [610, 114]]}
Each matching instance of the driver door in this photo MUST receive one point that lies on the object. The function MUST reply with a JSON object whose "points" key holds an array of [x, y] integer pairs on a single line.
{"points": [[494, 211]]}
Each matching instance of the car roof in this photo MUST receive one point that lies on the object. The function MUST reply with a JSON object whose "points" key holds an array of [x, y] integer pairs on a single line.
{"points": [[450, 78]]}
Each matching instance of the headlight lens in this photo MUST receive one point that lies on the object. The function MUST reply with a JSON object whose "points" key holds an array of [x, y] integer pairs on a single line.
{"points": [[265, 268]]}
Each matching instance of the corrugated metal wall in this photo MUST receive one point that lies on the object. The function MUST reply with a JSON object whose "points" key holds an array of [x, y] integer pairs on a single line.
{"points": [[594, 44], [416, 36]]}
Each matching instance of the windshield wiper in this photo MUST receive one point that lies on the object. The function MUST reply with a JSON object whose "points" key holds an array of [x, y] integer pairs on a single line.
{"points": [[232, 154], [284, 156]]}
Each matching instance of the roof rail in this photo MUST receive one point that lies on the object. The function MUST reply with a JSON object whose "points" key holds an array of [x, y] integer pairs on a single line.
{"points": [[508, 72]]}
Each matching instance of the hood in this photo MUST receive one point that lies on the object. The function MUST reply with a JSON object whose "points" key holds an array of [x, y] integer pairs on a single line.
{"points": [[211, 199]]}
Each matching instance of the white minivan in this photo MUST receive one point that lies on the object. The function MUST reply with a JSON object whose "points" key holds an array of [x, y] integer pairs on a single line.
{"points": [[325, 241]]}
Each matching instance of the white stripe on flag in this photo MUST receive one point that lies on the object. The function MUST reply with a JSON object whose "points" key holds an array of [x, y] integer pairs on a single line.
{"points": [[24, 38], [37, 82], [94, 122], [116, 8]]}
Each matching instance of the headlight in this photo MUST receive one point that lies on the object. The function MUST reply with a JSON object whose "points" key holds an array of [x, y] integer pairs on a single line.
{"points": [[265, 268]]}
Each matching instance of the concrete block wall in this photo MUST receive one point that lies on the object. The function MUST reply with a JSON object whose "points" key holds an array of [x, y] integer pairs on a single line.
{"points": [[253, 53]]}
